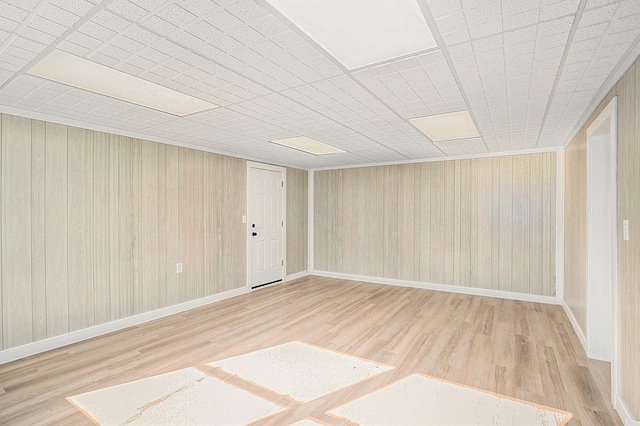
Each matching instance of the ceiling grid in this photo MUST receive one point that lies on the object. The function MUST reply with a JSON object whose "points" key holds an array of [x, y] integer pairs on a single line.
{"points": [[525, 70]]}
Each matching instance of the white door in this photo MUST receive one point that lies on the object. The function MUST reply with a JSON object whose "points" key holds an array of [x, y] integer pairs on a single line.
{"points": [[265, 226]]}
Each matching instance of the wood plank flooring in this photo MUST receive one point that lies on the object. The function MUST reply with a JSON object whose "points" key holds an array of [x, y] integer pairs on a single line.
{"points": [[524, 350]]}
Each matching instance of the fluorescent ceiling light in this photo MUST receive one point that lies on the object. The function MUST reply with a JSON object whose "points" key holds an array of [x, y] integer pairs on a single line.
{"points": [[361, 32], [446, 127], [312, 146], [79, 72]]}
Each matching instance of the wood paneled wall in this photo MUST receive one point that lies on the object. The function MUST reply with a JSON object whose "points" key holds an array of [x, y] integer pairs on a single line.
{"points": [[93, 225], [487, 223], [297, 220], [627, 89]]}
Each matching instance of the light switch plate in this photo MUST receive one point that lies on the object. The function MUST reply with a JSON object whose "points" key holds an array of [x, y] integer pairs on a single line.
{"points": [[625, 230], [178, 268]]}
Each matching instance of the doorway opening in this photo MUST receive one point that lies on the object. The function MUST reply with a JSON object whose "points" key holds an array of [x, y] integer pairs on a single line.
{"points": [[602, 239]]}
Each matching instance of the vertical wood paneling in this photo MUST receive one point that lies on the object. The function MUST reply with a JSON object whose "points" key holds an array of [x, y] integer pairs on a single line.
{"points": [[172, 197], [114, 222], [93, 225], [56, 229], [390, 227], [80, 231], [506, 225], [297, 218], [333, 220], [406, 218], [149, 235], [485, 235], [185, 283], [17, 308], [136, 228], [38, 239], [125, 226], [349, 220], [101, 220], [521, 224], [463, 222], [162, 220], [424, 211]]}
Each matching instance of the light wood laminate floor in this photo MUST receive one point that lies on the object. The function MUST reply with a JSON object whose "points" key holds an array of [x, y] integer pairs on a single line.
{"points": [[524, 350]]}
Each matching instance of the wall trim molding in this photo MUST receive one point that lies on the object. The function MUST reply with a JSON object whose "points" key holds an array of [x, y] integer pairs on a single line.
{"points": [[296, 276], [40, 346], [624, 413], [550, 300], [576, 327], [438, 159]]}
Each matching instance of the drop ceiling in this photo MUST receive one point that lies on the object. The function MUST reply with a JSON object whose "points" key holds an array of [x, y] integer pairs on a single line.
{"points": [[528, 72]]}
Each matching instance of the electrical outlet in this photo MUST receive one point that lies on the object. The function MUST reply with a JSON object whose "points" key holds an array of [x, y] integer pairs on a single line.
{"points": [[178, 268]]}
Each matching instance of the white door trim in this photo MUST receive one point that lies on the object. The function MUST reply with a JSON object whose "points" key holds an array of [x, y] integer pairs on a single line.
{"points": [[283, 170], [610, 112]]}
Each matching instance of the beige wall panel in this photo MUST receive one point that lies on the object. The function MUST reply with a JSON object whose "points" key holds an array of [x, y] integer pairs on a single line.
{"points": [[297, 218], [424, 210], [349, 220], [149, 235], [364, 179], [38, 238], [163, 269], [185, 283], [505, 258], [521, 224], [114, 228], [236, 233], [449, 220], [438, 220], [101, 232], [406, 221], [172, 196], [56, 229], [549, 225], [136, 220], [333, 220], [495, 223], [484, 223], [321, 209], [210, 233], [196, 223], [16, 230], [80, 232], [390, 227], [535, 225], [125, 226]]}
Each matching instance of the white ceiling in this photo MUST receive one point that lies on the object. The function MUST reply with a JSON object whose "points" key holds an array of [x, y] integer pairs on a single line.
{"points": [[527, 70]]}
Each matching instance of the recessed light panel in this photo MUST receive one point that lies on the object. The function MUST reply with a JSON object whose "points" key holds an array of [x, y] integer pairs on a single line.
{"points": [[79, 72], [446, 127], [361, 32], [312, 146]]}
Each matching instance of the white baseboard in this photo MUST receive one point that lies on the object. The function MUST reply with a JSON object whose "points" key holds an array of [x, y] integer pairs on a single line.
{"points": [[29, 349], [296, 276], [625, 415], [576, 327], [550, 300]]}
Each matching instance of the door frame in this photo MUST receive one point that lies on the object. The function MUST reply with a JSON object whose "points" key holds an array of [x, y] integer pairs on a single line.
{"points": [[610, 112], [283, 171]]}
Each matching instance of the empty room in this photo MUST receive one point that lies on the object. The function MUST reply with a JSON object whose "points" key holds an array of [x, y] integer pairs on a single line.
{"points": [[320, 212]]}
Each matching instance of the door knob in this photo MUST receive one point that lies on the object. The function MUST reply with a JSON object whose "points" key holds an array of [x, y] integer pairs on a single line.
{"points": [[254, 233]]}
